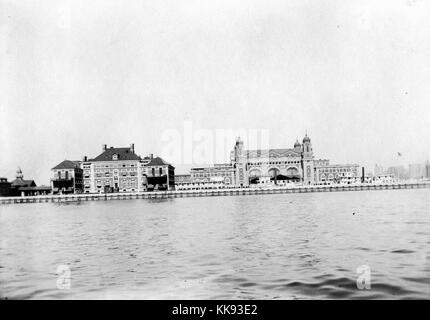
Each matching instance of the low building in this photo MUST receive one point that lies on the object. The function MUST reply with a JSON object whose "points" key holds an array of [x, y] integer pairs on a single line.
{"points": [[182, 181], [68, 177], [22, 187], [383, 179], [4, 187], [218, 173], [326, 173]]}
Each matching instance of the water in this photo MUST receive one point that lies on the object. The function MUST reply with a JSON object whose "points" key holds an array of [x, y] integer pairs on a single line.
{"points": [[289, 246]]}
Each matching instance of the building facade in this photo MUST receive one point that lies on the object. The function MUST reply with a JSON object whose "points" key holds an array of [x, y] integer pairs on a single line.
{"points": [[122, 170], [293, 165], [160, 175], [250, 168], [4, 187], [220, 173], [67, 177], [337, 173]]}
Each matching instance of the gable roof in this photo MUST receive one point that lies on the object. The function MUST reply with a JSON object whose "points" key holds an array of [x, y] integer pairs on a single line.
{"points": [[123, 154], [67, 164]]}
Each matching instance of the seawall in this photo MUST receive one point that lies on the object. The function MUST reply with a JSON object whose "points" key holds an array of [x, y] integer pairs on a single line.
{"points": [[209, 193]]}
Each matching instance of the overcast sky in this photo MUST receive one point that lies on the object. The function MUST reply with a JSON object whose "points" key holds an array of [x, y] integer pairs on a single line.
{"points": [[77, 74]]}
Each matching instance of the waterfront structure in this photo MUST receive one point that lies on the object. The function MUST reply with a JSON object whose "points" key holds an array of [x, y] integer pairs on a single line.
{"points": [[337, 173], [20, 182], [67, 177], [383, 179], [288, 165], [220, 176], [160, 174], [221, 173], [292, 164], [267, 167], [22, 187], [4, 187], [122, 170], [182, 179]]}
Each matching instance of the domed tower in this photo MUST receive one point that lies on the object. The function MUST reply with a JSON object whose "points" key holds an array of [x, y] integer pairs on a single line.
{"points": [[297, 146], [238, 148], [307, 161], [307, 146], [238, 157]]}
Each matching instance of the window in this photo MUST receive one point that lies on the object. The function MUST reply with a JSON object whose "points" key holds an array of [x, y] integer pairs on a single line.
{"points": [[115, 157]]}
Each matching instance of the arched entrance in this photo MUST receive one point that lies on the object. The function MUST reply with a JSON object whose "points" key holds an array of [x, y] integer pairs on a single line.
{"points": [[254, 175], [274, 174], [293, 174]]}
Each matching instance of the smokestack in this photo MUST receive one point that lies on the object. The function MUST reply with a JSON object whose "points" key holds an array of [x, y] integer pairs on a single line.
{"points": [[132, 147], [362, 174], [151, 156], [104, 147]]}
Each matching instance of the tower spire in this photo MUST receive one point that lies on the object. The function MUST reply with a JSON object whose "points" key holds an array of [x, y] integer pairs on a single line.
{"points": [[19, 174]]}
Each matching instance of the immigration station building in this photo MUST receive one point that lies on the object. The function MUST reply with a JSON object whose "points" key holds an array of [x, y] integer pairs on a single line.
{"points": [[265, 167], [273, 165]]}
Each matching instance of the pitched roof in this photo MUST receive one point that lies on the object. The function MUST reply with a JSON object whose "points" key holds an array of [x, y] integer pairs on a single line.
{"points": [[157, 161], [67, 164], [40, 188], [123, 154], [23, 183]]}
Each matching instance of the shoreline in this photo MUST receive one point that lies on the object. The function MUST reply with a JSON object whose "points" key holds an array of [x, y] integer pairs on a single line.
{"points": [[209, 193]]}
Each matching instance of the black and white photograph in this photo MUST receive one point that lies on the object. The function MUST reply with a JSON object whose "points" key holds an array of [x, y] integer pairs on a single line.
{"points": [[214, 150]]}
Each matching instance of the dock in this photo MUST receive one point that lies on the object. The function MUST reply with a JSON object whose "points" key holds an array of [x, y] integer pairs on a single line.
{"points": [[209, 193]]}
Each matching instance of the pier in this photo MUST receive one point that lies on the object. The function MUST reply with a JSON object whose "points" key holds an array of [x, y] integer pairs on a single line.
{"points": [[209, 193]]}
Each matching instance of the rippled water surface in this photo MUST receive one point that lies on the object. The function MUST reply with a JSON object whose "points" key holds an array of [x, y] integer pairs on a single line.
{"points": [[289, 246]]}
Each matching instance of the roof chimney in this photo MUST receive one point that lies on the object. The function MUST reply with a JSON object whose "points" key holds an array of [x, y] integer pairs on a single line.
{"points": [[132, 147], [104, 147], [85, 158], [151, 156]]}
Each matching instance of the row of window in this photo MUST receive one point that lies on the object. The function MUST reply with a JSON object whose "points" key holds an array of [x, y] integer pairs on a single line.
{"points": [[272, 163], [116, 165], [213, 174], [116, 170], [337, 170]]}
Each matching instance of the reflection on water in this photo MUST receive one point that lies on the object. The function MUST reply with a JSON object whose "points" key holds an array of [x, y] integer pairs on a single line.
{"points": [[289, 246]]}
